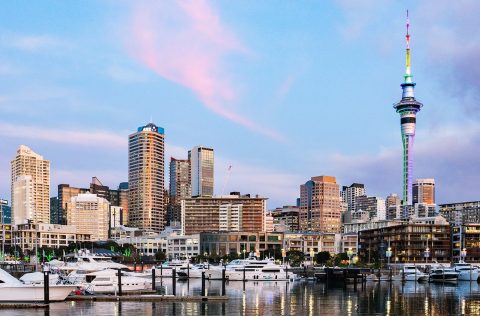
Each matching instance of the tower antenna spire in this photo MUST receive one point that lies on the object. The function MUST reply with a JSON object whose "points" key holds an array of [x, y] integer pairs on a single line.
{"points": [[408, 74]]}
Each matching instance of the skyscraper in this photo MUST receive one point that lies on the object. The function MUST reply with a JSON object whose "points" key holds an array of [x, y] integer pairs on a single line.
{"points": [[408, 108], [180, 181], [30, 187], [320, 205], [349, 194], [424, 191], [146, 178], [201, 160]]}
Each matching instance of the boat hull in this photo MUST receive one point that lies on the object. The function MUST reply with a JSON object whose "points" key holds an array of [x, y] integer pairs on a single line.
{"points": [[34, 293]]}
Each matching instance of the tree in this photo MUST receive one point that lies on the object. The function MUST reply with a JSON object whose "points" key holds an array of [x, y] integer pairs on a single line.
{"points": [[295, 257], [322, 257], [160, 255], [340, 258]]}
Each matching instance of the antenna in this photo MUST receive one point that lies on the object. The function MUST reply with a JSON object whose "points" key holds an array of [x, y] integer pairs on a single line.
{"points": [[408, 35]]}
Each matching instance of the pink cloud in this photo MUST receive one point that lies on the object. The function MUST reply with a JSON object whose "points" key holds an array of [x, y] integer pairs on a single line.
{"points": [[186, 42]]}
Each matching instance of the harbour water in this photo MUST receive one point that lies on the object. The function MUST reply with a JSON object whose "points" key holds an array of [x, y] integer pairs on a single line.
{"points": [[295, 298]]}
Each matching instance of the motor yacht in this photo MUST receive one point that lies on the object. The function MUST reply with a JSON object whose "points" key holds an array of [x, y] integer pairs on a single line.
{"points": [[466, 271], [440, 273], [13, 290], [252, 269], [412, 273], [106, 281]]}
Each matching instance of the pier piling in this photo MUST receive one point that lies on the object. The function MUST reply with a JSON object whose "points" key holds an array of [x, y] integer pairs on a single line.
{"points": [[174, 281], [46, 287], [154, 286], [119, 282]]}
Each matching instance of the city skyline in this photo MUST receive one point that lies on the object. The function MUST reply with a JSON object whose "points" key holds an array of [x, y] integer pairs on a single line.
{"points": [[67, 93]]}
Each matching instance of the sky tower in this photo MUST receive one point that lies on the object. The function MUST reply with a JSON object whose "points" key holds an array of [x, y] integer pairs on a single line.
{"points": [[408, 108]]}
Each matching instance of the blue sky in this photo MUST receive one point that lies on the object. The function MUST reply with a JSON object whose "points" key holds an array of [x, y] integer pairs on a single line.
{"points": [[281, 90]]}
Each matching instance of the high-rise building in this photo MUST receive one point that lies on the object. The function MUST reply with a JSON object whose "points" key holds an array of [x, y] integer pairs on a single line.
{"points": [[374, 206], [392, 200], [97, 188], [320, 205], [201, 164], [231, 212], [408, 108], [180, 181], [180, 188], [54, 210], [123, 201], [424, 191], [350, 193], [30, 175], [461, 212], [146, 206], [89, 213], [286, 216], [65, 194]]}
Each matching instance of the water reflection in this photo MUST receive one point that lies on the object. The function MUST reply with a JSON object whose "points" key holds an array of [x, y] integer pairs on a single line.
{"points": [[299, 298]]}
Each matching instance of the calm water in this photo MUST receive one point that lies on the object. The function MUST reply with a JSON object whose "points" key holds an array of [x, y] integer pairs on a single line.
{"points": [[297, 298]]}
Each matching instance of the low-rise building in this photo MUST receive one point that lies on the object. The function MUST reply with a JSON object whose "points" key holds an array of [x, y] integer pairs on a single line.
{"points": [[313, 241], [260, 243], [286, 216], [31, 236], [462, 212], [409, 242]]}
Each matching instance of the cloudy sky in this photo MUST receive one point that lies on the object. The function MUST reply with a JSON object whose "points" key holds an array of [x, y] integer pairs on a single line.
{"points": [[282, 90]]}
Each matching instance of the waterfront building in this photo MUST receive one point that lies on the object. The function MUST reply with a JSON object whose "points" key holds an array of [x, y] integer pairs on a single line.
{"points": [[202, 171], [408, 108], [350, 193], [34, 236], [421, 241], [461, 212], [424, 191], [241, 243], [89, 213], [116, 216], [312, 241], [372, 205], [124, 232], [320, 205], [30, 175], [356, 226], [286, 216], [350, 242], [466, 238], [146, 200], [5, 212], [168, 241], [234, 211]]}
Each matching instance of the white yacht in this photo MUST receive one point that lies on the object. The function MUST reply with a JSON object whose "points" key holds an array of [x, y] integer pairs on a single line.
{"points": [[255, 270], [440, 273], [106, 281], [13, 290], [412, 273], [85, 260], [466, 271]]}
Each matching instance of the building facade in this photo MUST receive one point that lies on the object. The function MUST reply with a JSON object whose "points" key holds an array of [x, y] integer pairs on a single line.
{"points": [[313, 241], [30, 176], [350, 193], [424, 191], [207, 214], [461, 213], [409, 242], [320, 205], [5, 212], [65, 194], [374, 206], [90, 214], [34, 236], [146, 203], [286, 216], [202, 171]]}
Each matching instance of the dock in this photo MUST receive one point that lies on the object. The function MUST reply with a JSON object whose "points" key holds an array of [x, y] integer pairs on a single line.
{"points": [[147, 298]]}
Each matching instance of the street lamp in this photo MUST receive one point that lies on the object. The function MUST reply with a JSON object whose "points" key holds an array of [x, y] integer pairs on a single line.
{"points": [[463, 254], [311, 255], [244, 251], [349, 254], [426, 254], [284, 254], [388, 254]]}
